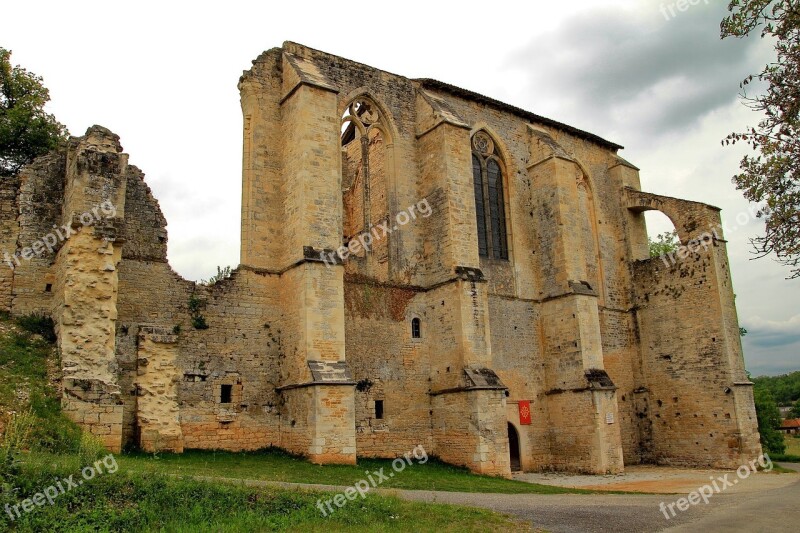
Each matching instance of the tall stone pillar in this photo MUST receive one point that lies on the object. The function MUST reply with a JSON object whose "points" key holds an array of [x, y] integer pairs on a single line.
{"points": [[581, 398], [468, 398], [85, 302], [316, 386]]}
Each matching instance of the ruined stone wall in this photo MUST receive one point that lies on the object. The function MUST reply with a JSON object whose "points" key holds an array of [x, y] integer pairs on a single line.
{"points": [[691, 396], [262, 164], [240, 348], [41, 188], [145, 231], [9, 233], [298, 349], [390, 366], [157, 378]]}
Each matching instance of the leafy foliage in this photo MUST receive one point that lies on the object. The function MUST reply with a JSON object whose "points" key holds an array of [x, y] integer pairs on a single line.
{"points": [[769, 420], [784, 389], [222, 274], [771, 178], [198, 320], [26, 131], [665, 243], [795, 412]]}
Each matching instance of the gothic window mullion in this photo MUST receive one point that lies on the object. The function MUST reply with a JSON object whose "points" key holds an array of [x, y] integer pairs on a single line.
{"points": [[487, 211]]}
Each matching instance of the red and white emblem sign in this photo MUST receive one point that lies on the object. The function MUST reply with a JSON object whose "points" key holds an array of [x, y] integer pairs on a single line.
{"points": [[525, 412]]}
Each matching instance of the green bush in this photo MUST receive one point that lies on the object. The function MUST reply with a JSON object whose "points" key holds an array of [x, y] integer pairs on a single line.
{"points": [[785, 457], [38, 324], [769, 420]]}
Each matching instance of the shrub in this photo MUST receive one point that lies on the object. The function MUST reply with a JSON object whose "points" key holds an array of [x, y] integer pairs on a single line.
{"points": [[40, 325]]}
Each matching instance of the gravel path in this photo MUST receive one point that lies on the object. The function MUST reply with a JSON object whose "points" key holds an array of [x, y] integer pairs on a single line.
{"points": [[767, 506], [774, 509]]}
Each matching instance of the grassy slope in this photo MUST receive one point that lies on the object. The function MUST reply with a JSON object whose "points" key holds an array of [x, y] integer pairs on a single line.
{"points": [[135, 502], [277, 466], [144, 500], [27, 366]]}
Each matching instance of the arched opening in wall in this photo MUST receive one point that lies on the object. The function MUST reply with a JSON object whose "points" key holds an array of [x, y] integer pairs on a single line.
{"points": [[513, 448], [364, 180], [662, 238], [589, 233], [416, 328]]}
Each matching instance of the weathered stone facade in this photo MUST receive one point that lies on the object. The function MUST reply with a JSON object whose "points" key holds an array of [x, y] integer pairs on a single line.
{"points": [[424, 338]]}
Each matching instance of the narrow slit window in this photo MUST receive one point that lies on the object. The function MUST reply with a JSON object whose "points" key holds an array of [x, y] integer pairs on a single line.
{"points": [[378, 409], [226, 394], [416, 328]]}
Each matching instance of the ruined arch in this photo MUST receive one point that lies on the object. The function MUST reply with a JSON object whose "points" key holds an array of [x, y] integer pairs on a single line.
{"points": [[693, 221], [368, 177], [587, 202]]}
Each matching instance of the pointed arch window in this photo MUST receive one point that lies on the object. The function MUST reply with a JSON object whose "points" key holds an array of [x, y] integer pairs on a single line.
{"points": [[487, 175]]}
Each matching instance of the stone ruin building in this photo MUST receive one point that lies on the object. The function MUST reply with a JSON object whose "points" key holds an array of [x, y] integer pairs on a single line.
{"points": [[513, 321]]}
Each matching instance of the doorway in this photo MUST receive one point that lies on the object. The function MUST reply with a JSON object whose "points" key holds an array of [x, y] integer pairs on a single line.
{"points": [[513, 448]]}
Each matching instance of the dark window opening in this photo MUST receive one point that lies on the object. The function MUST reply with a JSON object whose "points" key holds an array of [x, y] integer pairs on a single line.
{"points": [[226, 394], [48, 287], [480, 212], [416, 328], [490, 215], [379, 409]]}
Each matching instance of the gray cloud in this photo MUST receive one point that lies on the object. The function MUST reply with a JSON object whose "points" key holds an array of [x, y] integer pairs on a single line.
{"points": [[613, 66], [770, 333]]}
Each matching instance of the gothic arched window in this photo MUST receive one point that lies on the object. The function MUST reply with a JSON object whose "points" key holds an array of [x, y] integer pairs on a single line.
{"points": [[487, 174]]}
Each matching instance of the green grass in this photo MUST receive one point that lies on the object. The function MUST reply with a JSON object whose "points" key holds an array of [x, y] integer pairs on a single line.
{"points": [[152, 502], [777, 469], [792, 444], [792, 454], [275, 465], [24, 386]]}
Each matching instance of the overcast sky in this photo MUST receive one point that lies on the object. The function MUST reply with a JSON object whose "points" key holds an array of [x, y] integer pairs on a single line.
{"points": [[163, 76]]}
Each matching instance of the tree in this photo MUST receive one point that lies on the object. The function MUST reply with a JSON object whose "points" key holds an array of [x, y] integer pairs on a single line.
{"points": [[665, 243], [769, 421], [795, 412], [771, 178], [26, 131]]}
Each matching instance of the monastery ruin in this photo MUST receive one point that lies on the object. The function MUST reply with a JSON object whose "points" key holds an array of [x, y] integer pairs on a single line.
{"points": [[420, 265]]}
